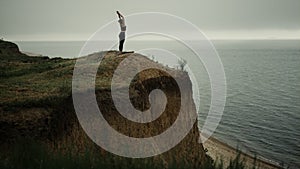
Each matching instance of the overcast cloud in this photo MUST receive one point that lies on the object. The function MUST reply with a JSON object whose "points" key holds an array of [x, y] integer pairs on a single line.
{"points": [[71, 19]]}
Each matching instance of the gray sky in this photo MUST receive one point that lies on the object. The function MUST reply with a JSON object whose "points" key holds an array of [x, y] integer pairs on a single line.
{"points": [[77, 20]]}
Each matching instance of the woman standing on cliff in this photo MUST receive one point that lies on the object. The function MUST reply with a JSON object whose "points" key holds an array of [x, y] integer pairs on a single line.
{"points": [[122, 33]]}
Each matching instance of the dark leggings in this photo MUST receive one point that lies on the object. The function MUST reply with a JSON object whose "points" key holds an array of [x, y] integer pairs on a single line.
{"points": [[121, 41]]}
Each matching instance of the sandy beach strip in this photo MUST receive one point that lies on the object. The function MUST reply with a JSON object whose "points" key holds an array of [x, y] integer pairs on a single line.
{"points": [[219, 150], [31, 54]]}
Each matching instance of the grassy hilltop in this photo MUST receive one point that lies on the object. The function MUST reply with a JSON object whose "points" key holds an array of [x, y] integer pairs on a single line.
{"points": [[36, 104]]}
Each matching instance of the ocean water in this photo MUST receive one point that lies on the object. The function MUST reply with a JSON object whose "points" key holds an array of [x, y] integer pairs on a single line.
{"points": [[262, 112]]}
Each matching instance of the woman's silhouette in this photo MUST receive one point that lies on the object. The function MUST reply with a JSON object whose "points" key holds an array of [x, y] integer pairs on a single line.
{"points": [[122, 33]]}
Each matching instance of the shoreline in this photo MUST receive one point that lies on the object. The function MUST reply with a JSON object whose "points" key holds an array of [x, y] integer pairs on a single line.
{"points": [[31, 54], [219, 150]]}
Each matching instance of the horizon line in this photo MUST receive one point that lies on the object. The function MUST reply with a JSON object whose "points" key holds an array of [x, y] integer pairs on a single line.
{"points": [[81, 40]]}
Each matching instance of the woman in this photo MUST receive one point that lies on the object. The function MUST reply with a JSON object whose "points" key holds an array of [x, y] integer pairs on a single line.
{"points": [[122, 33]]}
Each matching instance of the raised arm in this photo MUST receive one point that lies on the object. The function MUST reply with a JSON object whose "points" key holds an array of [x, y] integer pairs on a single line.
{"points": [[120, 15]]}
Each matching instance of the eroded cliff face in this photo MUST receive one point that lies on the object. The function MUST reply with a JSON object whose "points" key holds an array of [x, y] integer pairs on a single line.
{"points": [[55, 122], [188, 151]]}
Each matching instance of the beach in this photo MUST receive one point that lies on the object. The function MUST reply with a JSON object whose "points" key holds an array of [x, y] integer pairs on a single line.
{"points": [[218, 151]]}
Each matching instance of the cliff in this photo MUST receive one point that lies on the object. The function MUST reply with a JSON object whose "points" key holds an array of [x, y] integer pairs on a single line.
{"points": [[9, 48], [36, 102]]}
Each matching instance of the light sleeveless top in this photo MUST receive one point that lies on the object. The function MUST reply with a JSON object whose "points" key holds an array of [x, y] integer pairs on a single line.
{"points": [[122, 24]]}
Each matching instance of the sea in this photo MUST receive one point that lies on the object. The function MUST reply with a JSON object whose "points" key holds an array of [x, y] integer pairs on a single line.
{"points": [[262, 111]]}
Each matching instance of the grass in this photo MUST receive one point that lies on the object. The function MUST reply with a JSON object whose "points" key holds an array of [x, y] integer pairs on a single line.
{"points": [[35, 80], [29, 154], [26, 80]]}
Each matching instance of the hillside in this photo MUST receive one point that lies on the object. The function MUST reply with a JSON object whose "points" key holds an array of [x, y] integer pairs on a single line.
{"points": [[36, 103]]}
